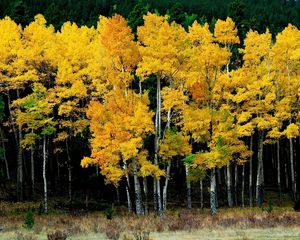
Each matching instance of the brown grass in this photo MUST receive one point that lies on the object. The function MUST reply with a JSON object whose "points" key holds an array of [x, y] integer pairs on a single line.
{"points": [[175, 220]]}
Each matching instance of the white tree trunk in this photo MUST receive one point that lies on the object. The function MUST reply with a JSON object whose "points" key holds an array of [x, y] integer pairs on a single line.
{"points": [[294, 184], [137, 190], [260, 175], [4, 155], [69, 171], [243, 186], [188, 187], [229, 186], [127, 188], [236, 180], [213, 207], [278, 171], [32, 169], [157, 195], [251, 175], [20, 168], [165, 188], [44, 175], [201, 193], [145, 187]]}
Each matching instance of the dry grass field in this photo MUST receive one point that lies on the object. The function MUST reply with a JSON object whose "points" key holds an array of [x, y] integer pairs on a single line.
{"points": [[235, 223]]}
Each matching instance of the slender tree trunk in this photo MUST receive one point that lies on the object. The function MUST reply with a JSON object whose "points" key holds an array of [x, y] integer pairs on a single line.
{"points": [[250, 174], [118, 194], [32, 169], [69, 171], [157, 140], [286, 176], [294, 184], [145, 187], [260, 177], [137, 190], [278, 171], [188, 187], [165, 196], [155, 204], [44, 175], [236, 180], [213, 208], [127, 188], [20, 168], [4, 154], [219, 176], [243, 186], [229, 186], [19, 162], [201, 193]]}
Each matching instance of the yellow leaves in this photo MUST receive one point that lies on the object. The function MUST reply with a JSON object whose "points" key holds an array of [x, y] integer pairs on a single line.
{"points": [[245, 129], [244, 117], [200, 35], [292, 131], [274, 133], [129, 149], [118, 126], [257, 47], [86, 162], [147, 168], [117, 39], [170, 39], [172, 98], [197, 122], [225, 32], [174, 144]]}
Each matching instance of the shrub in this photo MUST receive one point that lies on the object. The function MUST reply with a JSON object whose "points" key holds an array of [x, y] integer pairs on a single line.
{"points": [[269, 209], [297, 205], [58, 235], [109, 212], [23, 236], [28, 219]]}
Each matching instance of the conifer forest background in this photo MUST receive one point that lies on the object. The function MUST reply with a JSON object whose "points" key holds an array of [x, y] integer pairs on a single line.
{"points": [[149, 105]]}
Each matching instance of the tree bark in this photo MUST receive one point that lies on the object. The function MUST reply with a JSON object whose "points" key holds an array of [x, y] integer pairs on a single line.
{"points": [[286, 176], [201, 194], [4, 154], [32, 169], [250, 174], [19, 161], [20, 167], [236, 180], [293, 179], [243, 186], [278, 171], [145, 187], [213, 208], [165, 189], [69, 171], [157, 194], [260, 175], [44, 176], [188, 187], [129, 203], [229, 186], [137, 190]]}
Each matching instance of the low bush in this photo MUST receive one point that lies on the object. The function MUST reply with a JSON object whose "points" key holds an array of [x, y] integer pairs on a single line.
{"points": [[28, 219], [58, 235]]}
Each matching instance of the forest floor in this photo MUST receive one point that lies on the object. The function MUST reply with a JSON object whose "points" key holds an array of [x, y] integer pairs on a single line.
{"points": [[233, 223]]}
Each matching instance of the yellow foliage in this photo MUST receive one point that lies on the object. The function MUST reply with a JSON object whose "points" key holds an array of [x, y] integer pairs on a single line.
{"points": [[225, 32], [292, 131]]}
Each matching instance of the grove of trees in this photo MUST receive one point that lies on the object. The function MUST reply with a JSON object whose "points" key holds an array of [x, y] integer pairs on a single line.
{"points": [[147, 108]]}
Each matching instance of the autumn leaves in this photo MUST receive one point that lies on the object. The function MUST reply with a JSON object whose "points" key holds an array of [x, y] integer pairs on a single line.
{"points": [[60, 83]]}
